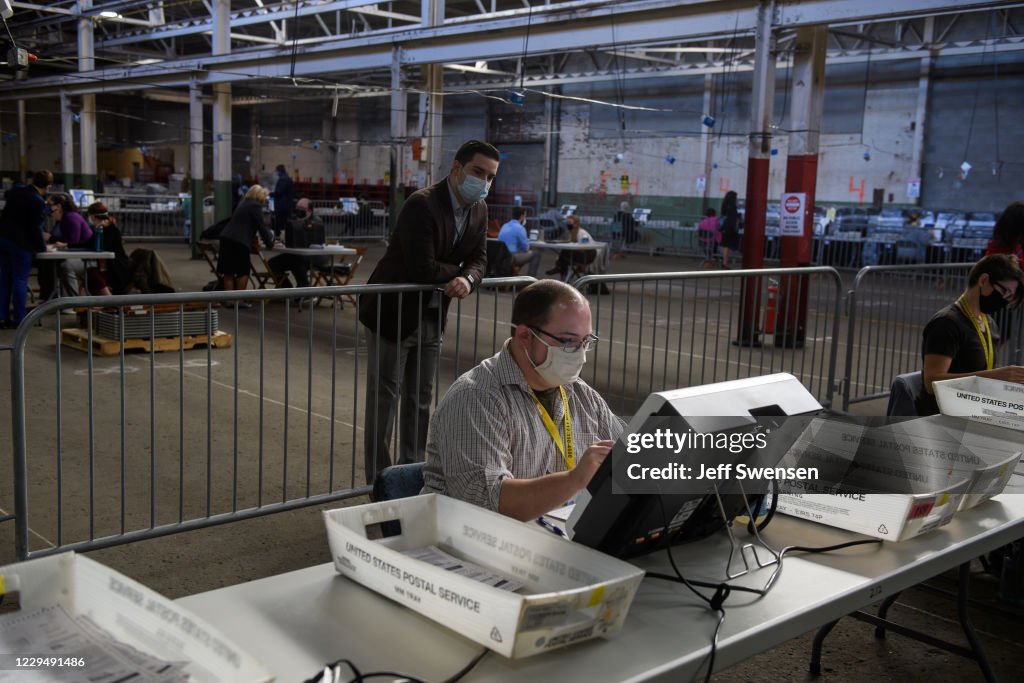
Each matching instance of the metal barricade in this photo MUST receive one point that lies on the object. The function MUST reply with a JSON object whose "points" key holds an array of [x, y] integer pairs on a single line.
{"points": [[661, 331], [888, 308], [148, 216], [110, 449], [115, 448], [368, 222]]}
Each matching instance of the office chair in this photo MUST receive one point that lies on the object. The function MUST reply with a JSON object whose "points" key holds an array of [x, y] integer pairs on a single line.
{"points": [[398, 481], [905, 389]]}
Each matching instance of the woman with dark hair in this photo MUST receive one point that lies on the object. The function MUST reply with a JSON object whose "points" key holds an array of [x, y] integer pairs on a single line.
{"points": [[958, 340], [1008, 233], [70, 230], [116, 276], [729, 226]]}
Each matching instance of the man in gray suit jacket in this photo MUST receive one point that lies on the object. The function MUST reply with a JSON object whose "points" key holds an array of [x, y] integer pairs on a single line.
{"points": [[441, 239]]}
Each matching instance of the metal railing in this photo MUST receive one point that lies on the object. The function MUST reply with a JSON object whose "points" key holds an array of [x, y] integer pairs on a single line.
{"points": [[148, 216], [370, 222], [888, 308], [110, 449], [117, 448], [666, 330]]}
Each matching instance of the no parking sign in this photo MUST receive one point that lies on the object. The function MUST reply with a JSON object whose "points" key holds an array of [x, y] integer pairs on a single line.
{"points": [[791, 219]]}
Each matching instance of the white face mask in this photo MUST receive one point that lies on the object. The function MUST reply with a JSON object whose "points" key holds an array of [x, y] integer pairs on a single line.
{"points": [[561, 367], [473, 189]]}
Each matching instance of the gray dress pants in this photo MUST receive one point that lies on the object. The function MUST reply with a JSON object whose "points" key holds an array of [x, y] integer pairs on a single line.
{"points": [[400, 379]]}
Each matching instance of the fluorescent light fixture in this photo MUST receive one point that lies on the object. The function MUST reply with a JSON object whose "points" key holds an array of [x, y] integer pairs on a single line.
{"points": [[690, 49], [110, 14], [478, 69], [148, 60]]}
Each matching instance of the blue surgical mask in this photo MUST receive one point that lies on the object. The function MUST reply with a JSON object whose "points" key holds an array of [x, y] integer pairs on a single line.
{"points": [[473, 189]]}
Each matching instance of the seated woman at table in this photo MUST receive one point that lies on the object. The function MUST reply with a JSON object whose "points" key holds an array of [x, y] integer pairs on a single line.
{"points": [[958, 340], [115, 276], [567, 258], [70, 230], [236, 240], [142, 271]]}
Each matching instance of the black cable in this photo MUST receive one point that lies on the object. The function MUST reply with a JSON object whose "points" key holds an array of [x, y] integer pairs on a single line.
{"points": [[716, 602], [295, 39], [14, 43], [466, 669], [359, 676]]}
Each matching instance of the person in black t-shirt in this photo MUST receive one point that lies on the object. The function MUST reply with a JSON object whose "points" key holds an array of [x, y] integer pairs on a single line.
{"points": [[958, 340]]}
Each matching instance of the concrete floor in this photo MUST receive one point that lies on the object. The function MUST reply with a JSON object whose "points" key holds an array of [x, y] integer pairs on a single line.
{"points": [[205, 559]]}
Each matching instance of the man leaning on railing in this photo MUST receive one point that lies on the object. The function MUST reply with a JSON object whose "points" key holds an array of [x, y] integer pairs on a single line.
{"points": [[439, 239]]}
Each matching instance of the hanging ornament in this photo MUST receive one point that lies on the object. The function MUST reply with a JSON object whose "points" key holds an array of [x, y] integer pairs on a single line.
{"points": [[965, 168], [316, 145], [670, 159], [709, 121]]}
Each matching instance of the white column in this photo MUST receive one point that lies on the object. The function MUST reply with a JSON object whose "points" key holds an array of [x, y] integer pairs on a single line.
{"points": [[195, 166], [87, 117], [433, 76], [921, 113], [22, 142], [222, 114], [67, 137]]}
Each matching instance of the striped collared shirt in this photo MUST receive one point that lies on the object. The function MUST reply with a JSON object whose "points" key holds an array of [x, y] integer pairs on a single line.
{"points": [[487, 428]]}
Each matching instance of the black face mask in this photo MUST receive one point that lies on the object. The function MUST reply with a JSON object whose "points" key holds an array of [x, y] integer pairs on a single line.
{"points": [[990, 303]]}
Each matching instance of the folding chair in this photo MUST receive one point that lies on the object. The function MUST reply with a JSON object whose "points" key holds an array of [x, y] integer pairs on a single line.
{"points": [[340, 274], [209, 252], [262, 275]]}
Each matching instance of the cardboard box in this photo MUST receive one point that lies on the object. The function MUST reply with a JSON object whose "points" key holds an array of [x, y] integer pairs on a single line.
{"points": [[986, 400], [131, 614], [571, 593], [871, 481], [986, 454]]}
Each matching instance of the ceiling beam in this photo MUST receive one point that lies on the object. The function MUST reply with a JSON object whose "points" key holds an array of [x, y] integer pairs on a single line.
{"points": [[598, 26]]}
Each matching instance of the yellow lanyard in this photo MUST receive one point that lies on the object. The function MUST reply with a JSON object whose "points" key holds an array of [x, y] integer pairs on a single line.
{"points": [[986, 337], [566, 449]]}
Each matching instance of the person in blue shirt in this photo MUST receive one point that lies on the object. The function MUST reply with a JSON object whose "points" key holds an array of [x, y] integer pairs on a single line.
{"points": [[513, 234]]}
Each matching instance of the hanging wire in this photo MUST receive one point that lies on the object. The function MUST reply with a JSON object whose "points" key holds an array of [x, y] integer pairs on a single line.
{"points": [[977, 87], [728, 72]]}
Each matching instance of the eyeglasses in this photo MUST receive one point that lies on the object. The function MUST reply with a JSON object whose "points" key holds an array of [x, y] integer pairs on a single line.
{"points": [[567, 345], [1004, 291]]}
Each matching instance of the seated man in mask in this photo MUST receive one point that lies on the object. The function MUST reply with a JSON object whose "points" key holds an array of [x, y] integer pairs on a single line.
{"points": [[521, 433], [302, 218]]}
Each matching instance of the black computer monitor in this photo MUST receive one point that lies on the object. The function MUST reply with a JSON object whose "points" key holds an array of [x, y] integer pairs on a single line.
{"points": [[629, 524]]}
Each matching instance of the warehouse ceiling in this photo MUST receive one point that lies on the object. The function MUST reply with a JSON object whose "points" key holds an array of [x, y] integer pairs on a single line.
{"points": [[349, 48]]}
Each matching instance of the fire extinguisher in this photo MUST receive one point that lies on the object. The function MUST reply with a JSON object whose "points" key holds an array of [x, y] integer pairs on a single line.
{"points": [[772, 305]]}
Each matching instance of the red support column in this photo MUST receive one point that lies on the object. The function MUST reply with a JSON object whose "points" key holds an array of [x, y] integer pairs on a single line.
{"points": [[795, 251], [756, 200]]}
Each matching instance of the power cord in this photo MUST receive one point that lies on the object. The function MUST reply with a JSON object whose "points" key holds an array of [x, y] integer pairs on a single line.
{"points": [[723, 590], [332, 673]]}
